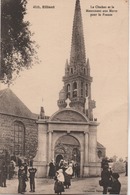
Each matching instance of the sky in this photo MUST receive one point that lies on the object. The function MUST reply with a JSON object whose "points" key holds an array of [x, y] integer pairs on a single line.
{"points": [[106, 42]]}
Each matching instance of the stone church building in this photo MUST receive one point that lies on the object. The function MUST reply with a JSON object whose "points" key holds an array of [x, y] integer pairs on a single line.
{"points": [[71, 132], [18, 128]]}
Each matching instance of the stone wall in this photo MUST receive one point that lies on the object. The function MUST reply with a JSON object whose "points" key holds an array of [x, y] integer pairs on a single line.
{"points": [[7, 134]]}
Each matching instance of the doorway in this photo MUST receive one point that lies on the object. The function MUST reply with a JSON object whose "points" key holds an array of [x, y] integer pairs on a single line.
{"points": [[67, 147], [58, 158]]}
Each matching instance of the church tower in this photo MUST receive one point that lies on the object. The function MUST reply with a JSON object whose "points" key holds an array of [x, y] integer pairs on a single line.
{"points": [[71, 133], [77, 79]]}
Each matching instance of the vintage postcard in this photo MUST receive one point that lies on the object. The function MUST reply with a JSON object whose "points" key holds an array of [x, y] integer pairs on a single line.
{"points": [[64, 97]]}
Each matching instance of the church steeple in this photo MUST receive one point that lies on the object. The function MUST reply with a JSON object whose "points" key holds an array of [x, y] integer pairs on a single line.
{"points": [[77, 79], [77, 55]]}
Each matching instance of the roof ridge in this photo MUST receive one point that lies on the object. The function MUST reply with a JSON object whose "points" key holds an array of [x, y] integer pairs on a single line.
{"points": [[12, 104]]}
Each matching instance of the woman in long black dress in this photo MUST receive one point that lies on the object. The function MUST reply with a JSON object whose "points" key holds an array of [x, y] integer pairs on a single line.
{"points": [[51, 169], [106, 178], [59, 182]]}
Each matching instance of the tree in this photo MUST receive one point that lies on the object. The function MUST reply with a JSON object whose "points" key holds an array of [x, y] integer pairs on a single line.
{"points": [[18, 50], [114, 158], [120, 159]]}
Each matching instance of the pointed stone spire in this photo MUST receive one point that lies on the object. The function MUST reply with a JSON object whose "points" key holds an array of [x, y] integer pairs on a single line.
{"points": [[66, 67], [66, 64], [88, 67], [77, 56]]}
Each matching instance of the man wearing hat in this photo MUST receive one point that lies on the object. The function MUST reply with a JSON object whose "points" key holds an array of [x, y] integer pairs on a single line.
{"points": [[32, 172], [115, 185]]}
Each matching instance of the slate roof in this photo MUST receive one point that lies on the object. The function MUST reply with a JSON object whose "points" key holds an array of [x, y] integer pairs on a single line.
{"points": [[10, 104]]}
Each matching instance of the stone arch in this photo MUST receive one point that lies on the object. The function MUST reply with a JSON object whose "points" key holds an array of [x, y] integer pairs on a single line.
{"points": [[68, 146], [69, 114]]}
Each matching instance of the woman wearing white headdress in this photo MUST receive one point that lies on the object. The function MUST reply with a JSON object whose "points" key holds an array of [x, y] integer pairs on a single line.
{"points": [[68, 175], [59, 183]]}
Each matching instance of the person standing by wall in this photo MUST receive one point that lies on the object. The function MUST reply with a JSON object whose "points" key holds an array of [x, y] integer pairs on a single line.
{"points": [[25, 167], [21, 180], [11, 170], [126, 167], [106, 178], [4, 175], [52, 169], [32, 172], [77, 169]]}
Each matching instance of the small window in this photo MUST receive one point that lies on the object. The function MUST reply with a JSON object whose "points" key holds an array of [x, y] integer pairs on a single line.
{"points": [[74, 85], [86, 90], [75, 93], [81, 92], [68, 88], [82, 88], [75, 89], [72, 71], [68, 95]]}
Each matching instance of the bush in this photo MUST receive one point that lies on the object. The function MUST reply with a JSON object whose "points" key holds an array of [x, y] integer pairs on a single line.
{"points": [[118, 167]]}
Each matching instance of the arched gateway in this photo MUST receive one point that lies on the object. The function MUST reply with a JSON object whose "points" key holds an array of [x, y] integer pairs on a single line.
{"points": [[67, 147], [67, 134]]}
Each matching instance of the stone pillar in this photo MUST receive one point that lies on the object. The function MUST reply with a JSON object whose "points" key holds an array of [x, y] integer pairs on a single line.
{"points": [[86, 156], [52, 148], [49, 151], [86, 148], [92, 151], [81, 161], [40, 160], [49, 146], [92, 145]]}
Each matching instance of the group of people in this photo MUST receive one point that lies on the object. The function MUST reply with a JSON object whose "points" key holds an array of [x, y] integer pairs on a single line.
{"points": [[62, 173], [109, 181], [53, 167], [23, 174], [6, 172]]}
